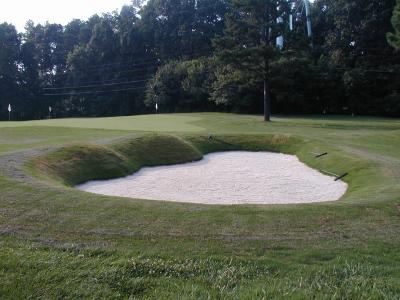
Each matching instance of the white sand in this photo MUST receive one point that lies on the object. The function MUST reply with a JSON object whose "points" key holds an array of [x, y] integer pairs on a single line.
{"points": [[227, 178]]}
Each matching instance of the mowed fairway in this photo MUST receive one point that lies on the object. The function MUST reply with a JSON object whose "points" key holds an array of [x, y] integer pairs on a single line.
{"points": [[162, 123], [57, 242]]}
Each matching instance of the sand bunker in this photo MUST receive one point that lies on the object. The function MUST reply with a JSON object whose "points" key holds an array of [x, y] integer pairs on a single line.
{"points": [[227, 178]]}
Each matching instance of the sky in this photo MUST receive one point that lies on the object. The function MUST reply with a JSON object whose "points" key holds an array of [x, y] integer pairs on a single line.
{"points": [[17, 12]]}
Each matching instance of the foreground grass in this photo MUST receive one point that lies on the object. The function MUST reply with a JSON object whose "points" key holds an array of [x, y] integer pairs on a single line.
{"points": [[60, 243], [59, 273]]}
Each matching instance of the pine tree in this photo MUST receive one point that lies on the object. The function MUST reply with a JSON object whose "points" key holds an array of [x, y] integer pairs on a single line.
{"points": [[246, 49]]}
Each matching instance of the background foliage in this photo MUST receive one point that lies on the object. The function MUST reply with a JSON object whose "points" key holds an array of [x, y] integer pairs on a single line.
{"points": [[205, 55]]}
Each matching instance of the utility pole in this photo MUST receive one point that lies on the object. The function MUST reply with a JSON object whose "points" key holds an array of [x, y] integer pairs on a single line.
{"points": [[279, 39], [308, 16], [307, 7]]}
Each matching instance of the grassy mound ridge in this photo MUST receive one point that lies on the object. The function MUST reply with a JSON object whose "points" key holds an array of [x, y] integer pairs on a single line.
{"points": [[76, 164], [270, 142]]}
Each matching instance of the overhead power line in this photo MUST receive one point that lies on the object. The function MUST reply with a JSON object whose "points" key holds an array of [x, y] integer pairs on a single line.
{"points": [[102, 70], [145, 65], [95, 92], [96, 85], [119, 73], [143, 62], [156, 58], [114, 80]]}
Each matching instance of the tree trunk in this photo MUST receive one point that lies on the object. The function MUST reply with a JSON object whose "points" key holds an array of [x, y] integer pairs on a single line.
{"points": [[267, 96]]}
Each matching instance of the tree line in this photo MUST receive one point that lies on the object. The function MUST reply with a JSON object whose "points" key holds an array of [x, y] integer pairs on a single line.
{"points": [[207, 55]]}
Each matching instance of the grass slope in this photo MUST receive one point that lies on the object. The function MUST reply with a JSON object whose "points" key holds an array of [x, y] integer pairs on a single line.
{"points": [[57, 242]]}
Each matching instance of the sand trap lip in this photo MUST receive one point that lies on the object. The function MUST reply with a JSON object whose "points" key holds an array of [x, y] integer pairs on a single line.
{"points": [[227, 178]]}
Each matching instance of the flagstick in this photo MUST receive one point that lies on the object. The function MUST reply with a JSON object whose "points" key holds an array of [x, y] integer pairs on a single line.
{"points": [[9, 112]]}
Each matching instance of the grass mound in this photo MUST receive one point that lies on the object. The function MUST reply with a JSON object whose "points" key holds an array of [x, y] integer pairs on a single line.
{"points": [[76, 164]]}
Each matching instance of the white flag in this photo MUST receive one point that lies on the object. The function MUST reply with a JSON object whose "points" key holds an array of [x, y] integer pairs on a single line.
{"points": [[9, 107]]}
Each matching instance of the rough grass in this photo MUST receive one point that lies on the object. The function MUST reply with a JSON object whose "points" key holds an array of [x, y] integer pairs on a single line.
{"points": [[71, 274], [56, 242]]}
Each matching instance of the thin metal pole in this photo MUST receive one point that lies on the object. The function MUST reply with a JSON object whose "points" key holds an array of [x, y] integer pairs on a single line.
{"points": [[308, 16]]}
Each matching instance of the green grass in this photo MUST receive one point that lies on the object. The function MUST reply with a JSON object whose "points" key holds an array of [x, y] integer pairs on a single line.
{"points": [[57, 242]]}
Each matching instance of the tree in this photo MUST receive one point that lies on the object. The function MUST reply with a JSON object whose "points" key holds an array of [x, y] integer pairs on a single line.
{"points": [[9, 61], [357, 34], [177, 28], [394, 38], [181, 86], [353, 44], [246, 49], [30, 80]]}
